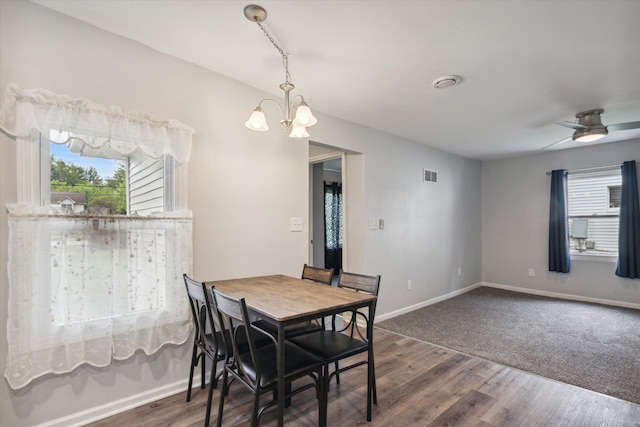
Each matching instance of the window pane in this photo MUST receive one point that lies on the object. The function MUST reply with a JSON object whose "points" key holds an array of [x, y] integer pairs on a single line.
{"points": [[614, 196], [592, 220], [80, 183]]}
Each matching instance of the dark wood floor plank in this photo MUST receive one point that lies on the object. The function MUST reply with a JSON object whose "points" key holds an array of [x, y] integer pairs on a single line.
{"points": [[418, 385], [465, 410]]}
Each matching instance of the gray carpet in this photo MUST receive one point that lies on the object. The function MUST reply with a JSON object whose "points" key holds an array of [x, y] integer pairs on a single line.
{"points": [[592, 346]]}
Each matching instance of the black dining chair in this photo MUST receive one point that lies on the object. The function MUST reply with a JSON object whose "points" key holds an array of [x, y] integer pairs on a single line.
{"points": [[315, 274], [208, 341], [255, 366], [348, 339]]}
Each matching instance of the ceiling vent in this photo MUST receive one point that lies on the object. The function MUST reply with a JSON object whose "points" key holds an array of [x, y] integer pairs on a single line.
{"points": [[446, 82], [430, 176]]}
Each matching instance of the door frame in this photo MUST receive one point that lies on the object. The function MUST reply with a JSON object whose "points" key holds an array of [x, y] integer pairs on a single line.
{"points": [[337, 154]]}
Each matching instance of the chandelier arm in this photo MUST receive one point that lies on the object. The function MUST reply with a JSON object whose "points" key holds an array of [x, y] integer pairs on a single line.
{"points": [[293, 102], [275, 102]]}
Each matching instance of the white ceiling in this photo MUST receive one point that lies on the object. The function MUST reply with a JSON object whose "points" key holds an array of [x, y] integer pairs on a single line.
{"points": [[525, 64]]}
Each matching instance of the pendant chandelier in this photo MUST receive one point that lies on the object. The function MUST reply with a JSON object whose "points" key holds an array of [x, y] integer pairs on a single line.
{"points": [[303, 117]]}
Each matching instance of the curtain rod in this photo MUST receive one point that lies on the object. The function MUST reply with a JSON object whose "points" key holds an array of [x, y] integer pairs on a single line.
{"points": [[591, 169]]}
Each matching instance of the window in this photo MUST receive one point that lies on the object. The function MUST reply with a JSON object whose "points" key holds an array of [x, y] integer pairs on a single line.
{"points": [[594, 202], [104, 181], [95, 259], [107, 183], [614, 192]]}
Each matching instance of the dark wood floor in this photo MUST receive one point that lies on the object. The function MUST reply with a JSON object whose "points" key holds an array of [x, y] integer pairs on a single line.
{"points": [[418, 385]]}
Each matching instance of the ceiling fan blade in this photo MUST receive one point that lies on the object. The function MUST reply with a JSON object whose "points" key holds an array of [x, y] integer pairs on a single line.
{"points": [[624, 126], [571, 125], [557, 142]]}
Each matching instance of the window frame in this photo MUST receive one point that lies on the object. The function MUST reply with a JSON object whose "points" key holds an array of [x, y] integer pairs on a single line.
{"points": [[607, 212]]}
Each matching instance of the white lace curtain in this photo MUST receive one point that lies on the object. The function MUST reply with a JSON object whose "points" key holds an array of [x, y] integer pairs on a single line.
{"points": [[40, 109], [87, 289]]}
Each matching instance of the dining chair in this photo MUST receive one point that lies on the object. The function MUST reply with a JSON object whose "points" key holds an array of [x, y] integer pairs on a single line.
{"points": [[256, 366], [208, 341], [315, 274], [348, 339]]}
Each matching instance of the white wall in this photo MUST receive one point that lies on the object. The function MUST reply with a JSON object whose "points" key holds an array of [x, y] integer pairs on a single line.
{"points": [[430, 230], [515, 217], [243, 188]]}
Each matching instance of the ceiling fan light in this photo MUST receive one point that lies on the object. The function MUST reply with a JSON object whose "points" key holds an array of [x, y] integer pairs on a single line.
{"points": [[257, 121], [590, 134], [589, 138], [304, 116], [298, 132]]}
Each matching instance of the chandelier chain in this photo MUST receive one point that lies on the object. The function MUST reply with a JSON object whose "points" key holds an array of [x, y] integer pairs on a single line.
{"points": [[285, 57]]}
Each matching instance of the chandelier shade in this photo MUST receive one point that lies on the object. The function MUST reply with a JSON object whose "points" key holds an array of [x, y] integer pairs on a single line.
{"points": [[257, 121], [298, 132], [304, 116]]}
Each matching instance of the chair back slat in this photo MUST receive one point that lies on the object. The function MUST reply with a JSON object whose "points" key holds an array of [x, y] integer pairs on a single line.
{"points": [[194, 289], [321, 275], [228, 306], [359, 282]]}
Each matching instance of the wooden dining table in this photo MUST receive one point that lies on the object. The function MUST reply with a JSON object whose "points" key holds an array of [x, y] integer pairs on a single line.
{"points": [[283, 300]]}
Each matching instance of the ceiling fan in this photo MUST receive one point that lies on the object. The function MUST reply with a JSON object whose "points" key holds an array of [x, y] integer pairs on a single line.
{"points": [[588, 127]]}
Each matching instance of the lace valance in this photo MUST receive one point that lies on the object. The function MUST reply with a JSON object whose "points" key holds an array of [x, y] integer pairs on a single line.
{"points": [[93, 124]]}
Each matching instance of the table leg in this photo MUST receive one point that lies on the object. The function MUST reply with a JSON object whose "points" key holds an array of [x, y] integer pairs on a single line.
{"points": [[280, 356]]}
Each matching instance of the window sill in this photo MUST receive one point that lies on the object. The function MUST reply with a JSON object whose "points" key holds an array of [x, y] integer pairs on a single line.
{"points": [[613, 258]]}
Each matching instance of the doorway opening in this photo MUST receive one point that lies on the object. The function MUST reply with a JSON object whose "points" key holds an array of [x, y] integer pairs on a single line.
{"points": [[327, 207]]}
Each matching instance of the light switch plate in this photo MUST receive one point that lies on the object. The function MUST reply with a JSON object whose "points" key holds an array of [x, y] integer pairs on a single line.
{"points": [[374, 224], [296, 224]]}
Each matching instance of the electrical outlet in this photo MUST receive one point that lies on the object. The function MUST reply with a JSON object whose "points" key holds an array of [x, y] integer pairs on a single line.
{"points": [[409, 284], [459, 272], [532, 272]]}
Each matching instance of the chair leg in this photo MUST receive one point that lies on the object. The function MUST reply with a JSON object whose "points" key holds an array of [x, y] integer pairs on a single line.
{"points": [[375, 391], [223, 393], [202, 375], [256, 407], [323, 398], [337, 373], [214, 379], [210, 397], [287, 390], [193, 365]]}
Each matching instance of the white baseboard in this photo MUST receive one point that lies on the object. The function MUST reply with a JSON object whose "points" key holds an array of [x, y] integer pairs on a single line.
{"points": [[112, 408], [563, 296], [426, 303], [507, 288]]}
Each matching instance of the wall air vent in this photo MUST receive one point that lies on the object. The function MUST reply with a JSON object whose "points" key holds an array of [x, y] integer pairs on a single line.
{"points": [[430, 176]]}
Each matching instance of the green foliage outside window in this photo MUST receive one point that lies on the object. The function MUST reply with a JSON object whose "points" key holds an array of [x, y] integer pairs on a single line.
{"points": [[109, 192]]}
